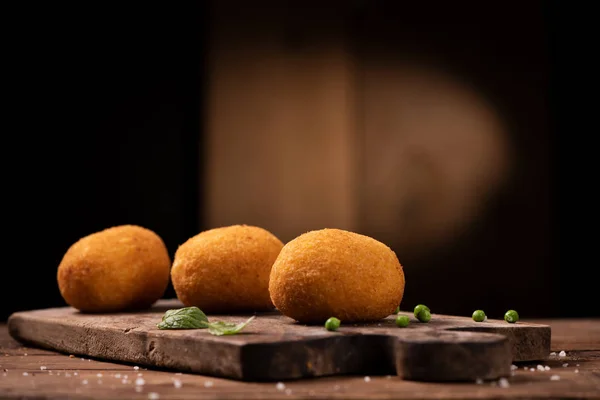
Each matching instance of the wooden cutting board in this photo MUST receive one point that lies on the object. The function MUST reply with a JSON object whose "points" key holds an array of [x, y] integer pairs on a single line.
{"points": [[274, 347]]}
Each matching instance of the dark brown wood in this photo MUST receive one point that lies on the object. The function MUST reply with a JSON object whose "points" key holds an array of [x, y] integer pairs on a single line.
{"points": [[274, 347], [64, 377]]}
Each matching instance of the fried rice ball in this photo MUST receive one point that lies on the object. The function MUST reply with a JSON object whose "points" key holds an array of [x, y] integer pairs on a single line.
{"points": [[226, 269], [336, 273], [120, 268]]}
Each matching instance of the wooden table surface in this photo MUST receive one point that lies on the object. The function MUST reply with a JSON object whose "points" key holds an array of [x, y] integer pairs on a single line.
{"points": [[27, 372]]}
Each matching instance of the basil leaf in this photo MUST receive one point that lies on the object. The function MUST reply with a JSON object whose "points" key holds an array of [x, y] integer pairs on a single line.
{"points": [[220, 328], [184, 318]]}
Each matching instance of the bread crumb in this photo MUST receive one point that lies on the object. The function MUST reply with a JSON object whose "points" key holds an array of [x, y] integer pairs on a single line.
{"points": [[555, 378]]}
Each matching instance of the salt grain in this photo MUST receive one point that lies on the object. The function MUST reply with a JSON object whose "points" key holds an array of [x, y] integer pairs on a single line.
{"points": [[117, 375], [525, 368], [555, 378], [140, 374], [208, 384], [68, 375], [125, 381], [503, 382], [280, 386], [153, 396], [367, 379], [43, 368], [140, 382], [540, 367], [479, 381], [176, 383], [576, 371], [532, 369], [388, 377], [74, 373], [24, 354], [25, 374], [84, 382], [577, 365], [562, 354], [125, 376], [99, 375], [565, 365], [546, 368], [513, 367], [553, 354], [136, 367]]}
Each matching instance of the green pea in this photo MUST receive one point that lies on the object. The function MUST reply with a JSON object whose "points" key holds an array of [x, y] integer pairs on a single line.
{"points": [[511, 316], [478, 316], [332, 324], [402, 321], [424, 315], [419, 308]]}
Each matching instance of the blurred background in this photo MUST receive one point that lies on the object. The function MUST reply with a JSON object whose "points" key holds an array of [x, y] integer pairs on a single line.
{"points": [[433, 128]]}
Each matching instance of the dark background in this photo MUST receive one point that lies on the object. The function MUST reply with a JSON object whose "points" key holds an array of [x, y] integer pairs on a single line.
{"points": [[104, 127]]}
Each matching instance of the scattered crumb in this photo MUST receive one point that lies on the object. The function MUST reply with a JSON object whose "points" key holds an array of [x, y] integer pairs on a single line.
{"points": [[124, 381], [25, 374], [50, 373], [565, 365], [139, 388], [71, 356], [176, 383], [577, 365], [90, 360], [479, 381], [99, 375], [75, 373], [153, 396], [378, 324], [280, 386], [553, 354], [84, 382], [43, 368], [513, 367], [136, 367], [540, 367], [503, 383], [562, 354], [140, 374], [140, 382], [58, 373], [117, 375], [125, 376], [367, 379], [83, 359], [24, 354], [532, 369], [208, 384], [525, 368], [546, 368], [68, 375], [576, 371], [288, 391], [555, 378]]}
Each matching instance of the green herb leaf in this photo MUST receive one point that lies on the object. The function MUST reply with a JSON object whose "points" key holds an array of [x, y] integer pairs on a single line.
{"points": [[220, 328], [184, 318]]}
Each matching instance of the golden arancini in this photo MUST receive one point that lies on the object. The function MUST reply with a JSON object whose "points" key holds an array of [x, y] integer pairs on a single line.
{"points": [[120, 268], [336, 273], [226, 269]]}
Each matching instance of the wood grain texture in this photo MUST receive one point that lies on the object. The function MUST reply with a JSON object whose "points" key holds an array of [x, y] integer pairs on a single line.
{"points": [[64, 377], [274, 347]]}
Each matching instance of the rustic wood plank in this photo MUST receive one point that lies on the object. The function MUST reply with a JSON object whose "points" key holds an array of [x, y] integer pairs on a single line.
{"points": [[585, 383], [275, 347], [574, 333]]}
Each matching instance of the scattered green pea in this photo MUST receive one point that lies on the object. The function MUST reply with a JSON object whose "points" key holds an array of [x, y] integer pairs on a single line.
{"points": [[419, 308], [424, 315], [402, 321], [511, 316], [332, 324], [478, 316]]}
